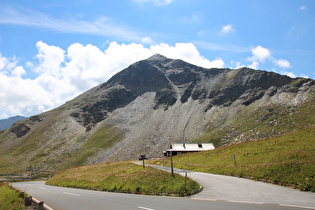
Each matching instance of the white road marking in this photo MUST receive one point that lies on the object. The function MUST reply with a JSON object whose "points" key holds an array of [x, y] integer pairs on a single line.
{"points": [[204, 199], [68, 193], [305, 207], [43, 188], [248, 202], [144, 208]]}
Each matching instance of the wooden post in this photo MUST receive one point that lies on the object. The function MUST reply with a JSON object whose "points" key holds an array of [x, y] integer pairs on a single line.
{"points": [[172, 164], [143, 162], [234, 160], [185, 180]]}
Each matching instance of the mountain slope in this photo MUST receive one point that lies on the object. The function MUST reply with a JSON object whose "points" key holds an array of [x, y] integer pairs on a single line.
{"points": [[153, 103]]}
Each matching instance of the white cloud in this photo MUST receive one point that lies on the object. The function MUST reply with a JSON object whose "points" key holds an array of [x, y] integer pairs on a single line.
{"points": [[63, 74], [227, 29], [260, 54], [155, 2], [147, 40], [50, 59], [282, 63], [101, 26], [290, 74], [236, 65], [17, 95], [187, 52], [3, 62], [18, 71], [254, 65]]}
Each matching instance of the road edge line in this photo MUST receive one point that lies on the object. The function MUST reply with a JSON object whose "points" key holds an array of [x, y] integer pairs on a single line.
{"points": [[296, 206], [246, 202]]}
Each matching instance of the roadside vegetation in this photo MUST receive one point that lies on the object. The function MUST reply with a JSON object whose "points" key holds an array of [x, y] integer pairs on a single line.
{"points": [[287, 160], [124, 177], [9, 198]]}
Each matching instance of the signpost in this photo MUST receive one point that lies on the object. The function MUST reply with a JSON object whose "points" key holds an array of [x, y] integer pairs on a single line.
{"points": [[172, 164], [234, 160], [143, 157]]}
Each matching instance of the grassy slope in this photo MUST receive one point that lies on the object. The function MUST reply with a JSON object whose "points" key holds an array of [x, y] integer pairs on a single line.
{"points": [[287, 160], [104, 138], [124, 177], [10, 198], [255, 122]]}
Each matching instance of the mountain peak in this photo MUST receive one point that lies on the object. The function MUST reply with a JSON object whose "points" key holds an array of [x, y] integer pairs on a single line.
{"points": [[157, 57]]}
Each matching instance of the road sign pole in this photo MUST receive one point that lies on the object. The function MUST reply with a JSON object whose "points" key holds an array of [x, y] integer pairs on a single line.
{"points": [[172, 164]]}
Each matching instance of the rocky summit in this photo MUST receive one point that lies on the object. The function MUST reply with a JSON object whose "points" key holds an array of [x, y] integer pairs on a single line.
{"points": [[153, 103]]}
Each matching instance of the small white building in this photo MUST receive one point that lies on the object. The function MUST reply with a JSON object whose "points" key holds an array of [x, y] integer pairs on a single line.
{"points": [[177, 149]]}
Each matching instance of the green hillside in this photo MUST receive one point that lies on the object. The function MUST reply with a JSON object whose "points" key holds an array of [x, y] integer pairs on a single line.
{"points": [[287, 160]]}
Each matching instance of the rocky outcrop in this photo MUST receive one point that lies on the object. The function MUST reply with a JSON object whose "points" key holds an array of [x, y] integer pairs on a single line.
{"points": [[20, 130]]}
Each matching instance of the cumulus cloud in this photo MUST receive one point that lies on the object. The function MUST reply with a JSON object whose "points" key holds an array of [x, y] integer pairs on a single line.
{"points": [[17, 95], [254, 65], [227, 29], [147, 40], [260, 54], [18, 71], [282, 63], [63, 74], [3, 62], [187, 52], [290, 74], [293, 75], [50, 59]]}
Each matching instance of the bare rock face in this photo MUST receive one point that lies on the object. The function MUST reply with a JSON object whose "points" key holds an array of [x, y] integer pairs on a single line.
{"points": [[20, 130]]}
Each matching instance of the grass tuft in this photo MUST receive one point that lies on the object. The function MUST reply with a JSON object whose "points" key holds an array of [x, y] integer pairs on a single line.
{"points": [[10, 198]]}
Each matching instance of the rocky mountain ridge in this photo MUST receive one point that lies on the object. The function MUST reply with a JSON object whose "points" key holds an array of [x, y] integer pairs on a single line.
{"points": [[153, 103]]}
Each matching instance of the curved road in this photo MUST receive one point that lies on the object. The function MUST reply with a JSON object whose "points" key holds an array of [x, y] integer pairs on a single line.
{"points": [[234, 189], [220, 192]]}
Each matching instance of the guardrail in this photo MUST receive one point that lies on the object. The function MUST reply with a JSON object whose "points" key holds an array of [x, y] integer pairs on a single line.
{"points": [[29, 200]]}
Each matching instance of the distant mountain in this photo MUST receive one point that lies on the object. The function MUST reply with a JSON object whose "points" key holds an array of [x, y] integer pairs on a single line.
{"points": [[153, 103], [7, 123]]}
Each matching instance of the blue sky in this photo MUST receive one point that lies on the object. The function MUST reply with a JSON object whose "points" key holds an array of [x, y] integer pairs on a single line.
{"points": [[51, 51]]}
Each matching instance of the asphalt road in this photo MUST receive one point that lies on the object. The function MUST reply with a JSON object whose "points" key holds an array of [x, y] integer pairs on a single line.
{"points": [[69, 198], [228, 188]]}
